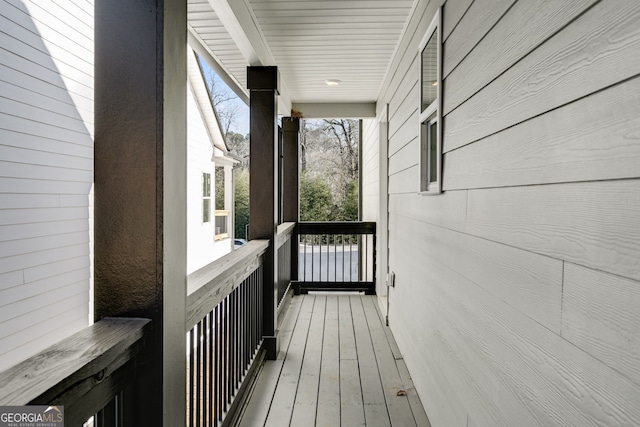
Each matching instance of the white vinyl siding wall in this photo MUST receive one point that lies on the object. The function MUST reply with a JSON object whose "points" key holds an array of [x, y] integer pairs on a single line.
{"points": [[46, 173], [516, 294], [370, 169], [200, 235], [371, 191]]}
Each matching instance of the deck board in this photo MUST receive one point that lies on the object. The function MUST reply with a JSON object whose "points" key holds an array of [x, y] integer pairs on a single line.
{"points": [[375, 408], [257, 408], [351, 404], [284, 397], [328, 414], [304, 409], [339, 366], [395, 389]]}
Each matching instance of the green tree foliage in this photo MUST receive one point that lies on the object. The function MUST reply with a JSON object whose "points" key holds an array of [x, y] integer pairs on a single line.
{"points": [[241, 202], [349, 211], [316, 200], [329, 153]]}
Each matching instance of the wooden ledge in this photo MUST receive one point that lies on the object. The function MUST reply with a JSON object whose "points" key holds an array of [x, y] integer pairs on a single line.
{"points": [[91, 354], [284, 233]]}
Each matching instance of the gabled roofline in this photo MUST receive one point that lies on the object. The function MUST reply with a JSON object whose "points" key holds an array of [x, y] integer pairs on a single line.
{"points": [[202, 97], [205, 53], [241, 24]]}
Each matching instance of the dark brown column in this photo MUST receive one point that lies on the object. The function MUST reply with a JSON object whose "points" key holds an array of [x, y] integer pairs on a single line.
{"points": [[140, 189], [263, 85], [290, 166], [291, 181]]}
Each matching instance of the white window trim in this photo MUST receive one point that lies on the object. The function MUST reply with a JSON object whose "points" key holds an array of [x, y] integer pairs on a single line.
{"points": [[432, 113]]}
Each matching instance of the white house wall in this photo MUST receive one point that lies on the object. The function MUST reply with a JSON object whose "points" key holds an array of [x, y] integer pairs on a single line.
{"points": [[371, 197], [201, 248], [46, 173], [517, 289]]}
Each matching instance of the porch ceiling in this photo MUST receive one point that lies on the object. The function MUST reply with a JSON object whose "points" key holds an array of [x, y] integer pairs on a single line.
{"points": [[309, 40]]}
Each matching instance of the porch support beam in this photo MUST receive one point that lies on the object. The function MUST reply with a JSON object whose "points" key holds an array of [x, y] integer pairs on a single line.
{"points": [[263, 84], [290, 168], [140, 189], [336, 110], [291, 181]]}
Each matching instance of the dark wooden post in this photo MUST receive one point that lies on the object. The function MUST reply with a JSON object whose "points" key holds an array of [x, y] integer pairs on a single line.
{"points": [[263, 85], [291, 182], [140, 189], [290, 166]]}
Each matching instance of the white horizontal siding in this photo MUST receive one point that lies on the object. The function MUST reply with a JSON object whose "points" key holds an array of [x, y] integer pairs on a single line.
{"points": [[596, 224], [370, 170], [200, 236], [516, 289], [598, 50], [46, 173], [32, 339]]}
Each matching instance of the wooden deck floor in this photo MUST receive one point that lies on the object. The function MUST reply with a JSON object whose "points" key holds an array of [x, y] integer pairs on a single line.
{"points": [[338, 366]]}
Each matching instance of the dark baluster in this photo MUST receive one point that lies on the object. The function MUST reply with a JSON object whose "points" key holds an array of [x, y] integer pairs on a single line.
{"points": [[238, 334], [233, 334], [211, 403], [225, 352], [205, 371], [230, 333], [258, 307], [192, 383], [366, 257], [219, 373], [247, 332], [335, 258], [198, 395], [253, 304]]}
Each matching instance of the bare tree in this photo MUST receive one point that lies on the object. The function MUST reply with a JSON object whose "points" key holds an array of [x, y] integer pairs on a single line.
{"points": [[218, 94], [329, 150], [220, 98], [346, 138], [227, 115]]}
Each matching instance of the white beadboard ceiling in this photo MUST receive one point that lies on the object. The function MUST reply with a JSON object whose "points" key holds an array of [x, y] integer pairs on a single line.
{"points": [[309, 40]]}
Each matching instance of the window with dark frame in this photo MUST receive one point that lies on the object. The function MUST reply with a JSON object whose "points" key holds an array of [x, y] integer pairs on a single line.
{"points": [[430, 54]]}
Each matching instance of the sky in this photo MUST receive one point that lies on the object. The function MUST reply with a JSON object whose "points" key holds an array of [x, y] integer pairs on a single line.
{"points": [[241, 123]]}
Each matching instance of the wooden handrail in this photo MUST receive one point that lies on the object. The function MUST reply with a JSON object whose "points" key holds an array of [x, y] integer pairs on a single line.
{"points": [[337, 227], [284, 233], [68, 370], [209, 285]]}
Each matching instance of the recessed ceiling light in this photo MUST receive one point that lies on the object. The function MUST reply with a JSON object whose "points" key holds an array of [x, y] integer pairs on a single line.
{"points": [[332, 82], [434, 83]]}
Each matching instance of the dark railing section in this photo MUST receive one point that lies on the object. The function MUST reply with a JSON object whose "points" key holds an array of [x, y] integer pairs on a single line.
{"points": [[93, 374], [336, 256], [224, 318], [284, 244]]}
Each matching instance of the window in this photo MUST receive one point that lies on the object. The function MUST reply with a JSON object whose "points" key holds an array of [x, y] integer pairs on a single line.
{"points": [[221, 215], [430, 54], [220, 186], [206, 197]]}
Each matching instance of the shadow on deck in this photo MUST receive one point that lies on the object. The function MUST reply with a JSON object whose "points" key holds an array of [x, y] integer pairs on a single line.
{"points": [[338, 366]]}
